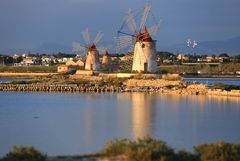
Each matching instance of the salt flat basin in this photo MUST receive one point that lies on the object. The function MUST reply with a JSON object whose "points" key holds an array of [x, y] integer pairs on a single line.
{"points": [[230, 81], [70, 124]]}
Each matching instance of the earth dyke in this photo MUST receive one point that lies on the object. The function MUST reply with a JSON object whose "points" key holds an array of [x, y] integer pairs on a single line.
{"points": [[129, 85]]}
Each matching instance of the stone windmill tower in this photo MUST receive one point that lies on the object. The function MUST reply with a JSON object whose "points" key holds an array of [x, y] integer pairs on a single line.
{"points": [[92, 54], [106, 59], [144, 51]]}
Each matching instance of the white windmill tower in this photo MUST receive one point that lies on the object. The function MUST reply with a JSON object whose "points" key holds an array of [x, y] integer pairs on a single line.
{"points": [[92, 54], [106, 58], [144, 59]]}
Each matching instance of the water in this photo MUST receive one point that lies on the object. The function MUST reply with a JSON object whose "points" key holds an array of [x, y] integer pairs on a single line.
{"points": [[5, 80], [230, 81], [68, 124]]}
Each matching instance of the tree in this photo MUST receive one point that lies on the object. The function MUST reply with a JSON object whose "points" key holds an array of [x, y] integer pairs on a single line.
{"points": [[224, 55]]}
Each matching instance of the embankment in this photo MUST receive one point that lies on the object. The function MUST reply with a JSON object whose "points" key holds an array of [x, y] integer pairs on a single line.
{"points": [[129, 85]]}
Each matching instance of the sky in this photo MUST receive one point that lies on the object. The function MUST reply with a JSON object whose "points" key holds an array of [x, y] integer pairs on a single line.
{"points": [[30, 23]]}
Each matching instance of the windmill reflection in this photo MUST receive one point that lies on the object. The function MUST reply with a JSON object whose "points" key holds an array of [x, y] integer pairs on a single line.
{"points": [[142, 114]]}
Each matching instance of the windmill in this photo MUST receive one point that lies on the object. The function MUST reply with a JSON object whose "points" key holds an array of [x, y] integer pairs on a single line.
{"points": [[144, 59], [92, 54], [191, 44], [106, 58]]}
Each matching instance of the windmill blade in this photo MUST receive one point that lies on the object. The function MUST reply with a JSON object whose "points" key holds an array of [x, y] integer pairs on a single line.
{"points": [[101, 49], [86, 36], [131, 22], [77, 46], [153, 30], [98, 37], [194, 44], [123, 42], [189, 42], [146, 12]]}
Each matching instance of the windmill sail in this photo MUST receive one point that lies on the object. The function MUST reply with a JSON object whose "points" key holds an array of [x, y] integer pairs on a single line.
{"points": [[131, 22], [77, 46], [98, 37], [146, 12], [86, 36], [123, 42], [153, 30]]}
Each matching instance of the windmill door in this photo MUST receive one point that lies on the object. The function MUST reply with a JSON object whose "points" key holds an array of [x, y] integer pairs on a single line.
{"points": [[91, 67], [145, 67]]}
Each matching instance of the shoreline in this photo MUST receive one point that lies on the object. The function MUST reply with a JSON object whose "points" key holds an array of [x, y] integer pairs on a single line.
{"points": [[31, 74], [172, 87]]}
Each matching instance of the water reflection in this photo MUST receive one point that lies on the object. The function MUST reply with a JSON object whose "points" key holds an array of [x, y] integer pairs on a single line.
{"points": [[141, 114]]}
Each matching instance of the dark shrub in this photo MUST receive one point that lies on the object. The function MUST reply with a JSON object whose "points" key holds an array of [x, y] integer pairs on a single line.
{"points": [[20, 153], [186, 156], [116, 147], [145, 149], [226, 87], [218, 152], [148, 149]]}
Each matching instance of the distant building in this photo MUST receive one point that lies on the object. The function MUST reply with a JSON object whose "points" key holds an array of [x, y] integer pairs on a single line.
{"points": [[71, 65], [65, 68], [167, 61], [127, 57], [27, 61], [184, 57], [210, 58], [73, 62], [223, 59]]}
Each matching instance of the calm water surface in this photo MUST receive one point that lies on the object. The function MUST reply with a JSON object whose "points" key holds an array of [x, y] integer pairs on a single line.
{"points": [[67, 124], [230, 81], [5, 80]]}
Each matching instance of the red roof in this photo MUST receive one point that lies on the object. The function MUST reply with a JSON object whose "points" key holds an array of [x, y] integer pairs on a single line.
{"points": [[92, 47], [144, 36]]}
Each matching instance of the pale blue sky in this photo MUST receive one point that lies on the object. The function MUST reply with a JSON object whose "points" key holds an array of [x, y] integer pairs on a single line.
{"points": [[30, 23]]}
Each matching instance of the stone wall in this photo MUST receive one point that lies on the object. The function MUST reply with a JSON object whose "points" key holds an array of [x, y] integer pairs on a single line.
{"points": [[220, 92], [152, 83]]}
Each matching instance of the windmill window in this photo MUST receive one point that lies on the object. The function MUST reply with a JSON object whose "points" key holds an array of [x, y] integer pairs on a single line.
{"points": [[143, 45]]}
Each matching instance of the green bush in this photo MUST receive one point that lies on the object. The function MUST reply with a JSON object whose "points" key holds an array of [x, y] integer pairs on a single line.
{"points": [[21, 153], [116, 147], [226, 87], [186, 156], [218, 152], [148, 149], [145, 149]]}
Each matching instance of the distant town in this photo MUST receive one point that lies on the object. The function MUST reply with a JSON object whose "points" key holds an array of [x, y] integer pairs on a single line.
{"points": [[119, 62]]}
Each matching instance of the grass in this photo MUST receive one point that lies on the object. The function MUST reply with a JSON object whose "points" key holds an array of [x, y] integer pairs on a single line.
{"points": [[208, 69], [33, 69]]}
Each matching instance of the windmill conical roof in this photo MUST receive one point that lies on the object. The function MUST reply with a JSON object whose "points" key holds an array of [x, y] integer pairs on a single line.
{"points": [[105, 53], [146, 36], [92, 47]]}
